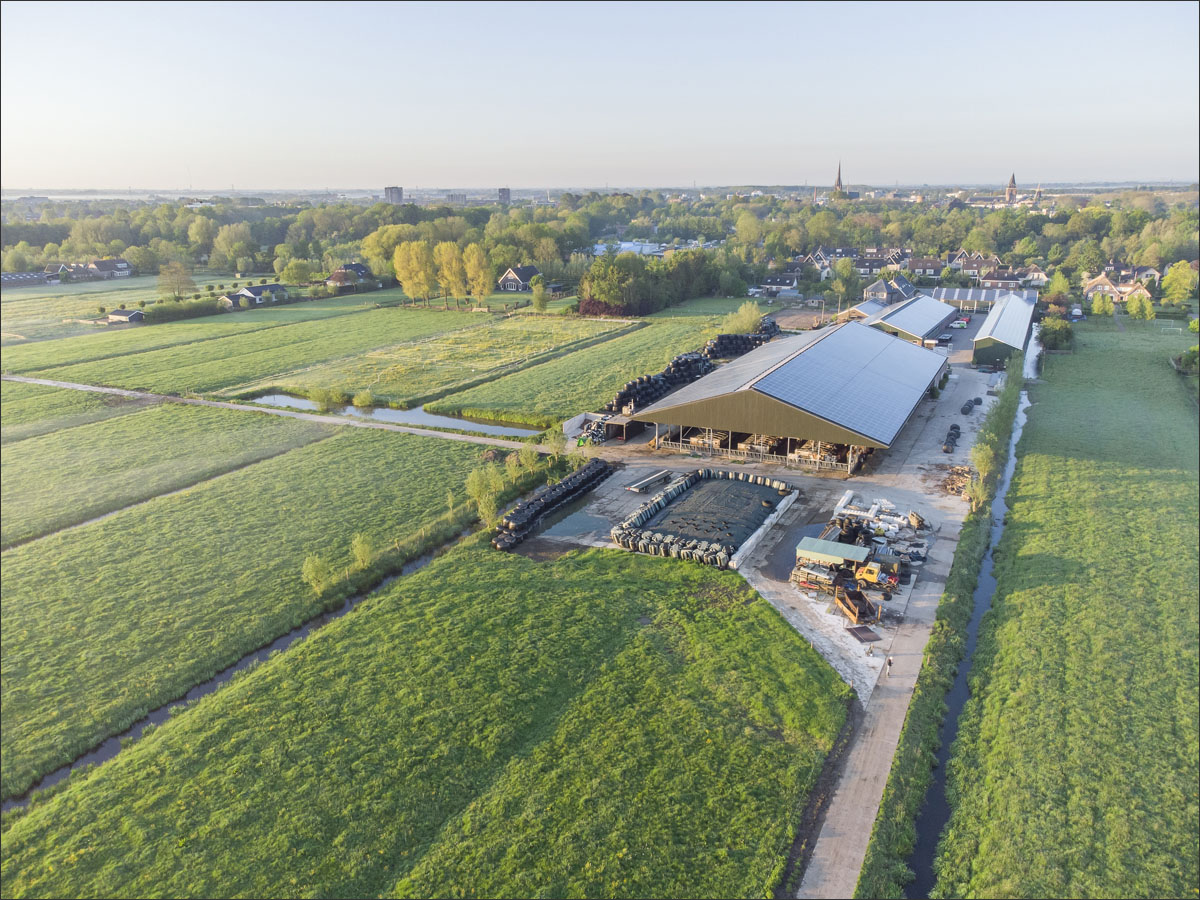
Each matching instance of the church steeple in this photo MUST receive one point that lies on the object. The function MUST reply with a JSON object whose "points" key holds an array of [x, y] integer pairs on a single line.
{"points": [[1010, 192], [837, 185]]}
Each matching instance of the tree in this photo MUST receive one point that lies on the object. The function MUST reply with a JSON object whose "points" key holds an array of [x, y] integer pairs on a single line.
{"points": [[1056, 334], [361, 550], [529, 456], [451, 272], [316, 573], [1102, 305], [1178, 284], [983, 457], [174, 279], [480, 275], [415, 269], [746, 320], [538, 284], [1059, 284], [556, 441], [512, 467], [297, 271], [1140, 308], [201, 233]]}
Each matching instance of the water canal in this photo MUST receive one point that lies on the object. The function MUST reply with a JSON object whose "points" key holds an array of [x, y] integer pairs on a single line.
{"points": [[417, 416]]}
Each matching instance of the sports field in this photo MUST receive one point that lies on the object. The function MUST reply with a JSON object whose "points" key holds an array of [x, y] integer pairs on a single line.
{"points": [[600, 725], [1075, 770]]}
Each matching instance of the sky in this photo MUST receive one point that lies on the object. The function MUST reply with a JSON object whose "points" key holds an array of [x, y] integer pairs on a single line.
{"points": [[275, 96]]}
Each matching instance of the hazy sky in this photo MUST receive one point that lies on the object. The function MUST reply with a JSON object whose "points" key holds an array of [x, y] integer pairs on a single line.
{"points": [[313, 95]]}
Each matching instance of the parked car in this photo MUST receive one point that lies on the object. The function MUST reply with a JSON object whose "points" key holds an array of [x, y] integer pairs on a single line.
{"points": [[959, 324], [944, 339]]}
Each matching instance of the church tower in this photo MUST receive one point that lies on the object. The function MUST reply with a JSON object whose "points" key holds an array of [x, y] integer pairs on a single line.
{"points": [[837, 185], [1010, 192]]}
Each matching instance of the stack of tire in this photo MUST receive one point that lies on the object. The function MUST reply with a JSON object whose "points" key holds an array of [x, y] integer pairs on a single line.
{"points": [[951, 440], [645, 389], [686, 368], [518, 523], [768, 326]]}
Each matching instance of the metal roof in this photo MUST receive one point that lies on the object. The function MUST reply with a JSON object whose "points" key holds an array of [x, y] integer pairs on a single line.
{"points": [[860, 379], [1008, 320], [977, 295], [920, 316], [829, 551]]}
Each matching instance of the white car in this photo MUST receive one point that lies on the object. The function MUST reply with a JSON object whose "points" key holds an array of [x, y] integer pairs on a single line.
{"points": [[959, 324]]}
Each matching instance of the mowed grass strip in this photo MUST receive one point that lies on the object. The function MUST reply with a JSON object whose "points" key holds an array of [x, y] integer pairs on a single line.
{"points": [[486, 695], [432, 365], [106, 622], [1075, 770], [27, 410], [68, 477], [122, 340], [230, 361], [545, 394]]}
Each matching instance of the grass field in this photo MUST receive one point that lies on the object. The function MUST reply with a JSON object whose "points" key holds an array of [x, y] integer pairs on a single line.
{"points": [[601, 725], [27, 410], [1075, 770], [227, 362], [105, 622], [546, 394], [126, 340], [431, 366], [72, 475]]}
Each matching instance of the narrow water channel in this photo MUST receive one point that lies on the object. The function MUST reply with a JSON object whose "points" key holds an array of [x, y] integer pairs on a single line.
{"points": [[113, 745], [416, 416], [935, 812]]}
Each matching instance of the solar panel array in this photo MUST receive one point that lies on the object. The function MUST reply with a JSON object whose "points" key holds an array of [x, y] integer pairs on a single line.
{"points": [[919, 317], [857, 377]]}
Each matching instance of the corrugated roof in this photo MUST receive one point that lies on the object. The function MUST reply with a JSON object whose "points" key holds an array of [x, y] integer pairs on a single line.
{"points": [[868, 308], [858, 378], [1008, 320], [920, 316], [977, 295], [829, 551]]}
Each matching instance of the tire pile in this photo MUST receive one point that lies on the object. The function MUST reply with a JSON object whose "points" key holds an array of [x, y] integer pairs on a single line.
{"points": [[645, 389], [595, 432], [630, 534], [519, 522]]}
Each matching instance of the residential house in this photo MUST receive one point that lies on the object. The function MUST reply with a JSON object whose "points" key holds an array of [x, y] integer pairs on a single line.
{"points": [[779, 285], [926, 266], [1101, 284], [895, 291], [867, 266], [254, 294], [1000, 279], [110, 268], [126, 316], [518, 278], [1034, 276], [1133, 289], [352, 277], [980, 263]]}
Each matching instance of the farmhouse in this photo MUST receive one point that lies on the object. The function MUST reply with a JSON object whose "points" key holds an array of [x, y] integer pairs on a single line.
{"points": [[779, 285], [254, 294], [1005, 330], [352, 277], [110, 268], [1000, 279], [518, 278], [918, 320], [1101, 284], [126, 315], [824, 398]]}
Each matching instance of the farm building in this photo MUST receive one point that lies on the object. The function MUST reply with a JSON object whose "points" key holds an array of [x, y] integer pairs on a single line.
{"points": [[972, 299], [918, 320], [254, 295], [1005, 330], [110, 268], [126, 315], [822, 399]]}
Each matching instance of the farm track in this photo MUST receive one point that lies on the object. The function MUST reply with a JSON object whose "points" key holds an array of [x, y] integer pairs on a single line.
{"points": [[286, 413]]}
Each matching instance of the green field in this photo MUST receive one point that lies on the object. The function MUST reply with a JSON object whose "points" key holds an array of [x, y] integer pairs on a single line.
{"points": [[227, 362], [431, 366], [127, 340], [70, 476], [602, 725], [1075, 770], [546, 394], [27, 410], [105, 622]]}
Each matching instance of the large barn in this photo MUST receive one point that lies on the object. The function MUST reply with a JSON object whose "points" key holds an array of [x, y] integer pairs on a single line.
{"points": [[1005, 330], [822, 399]]}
